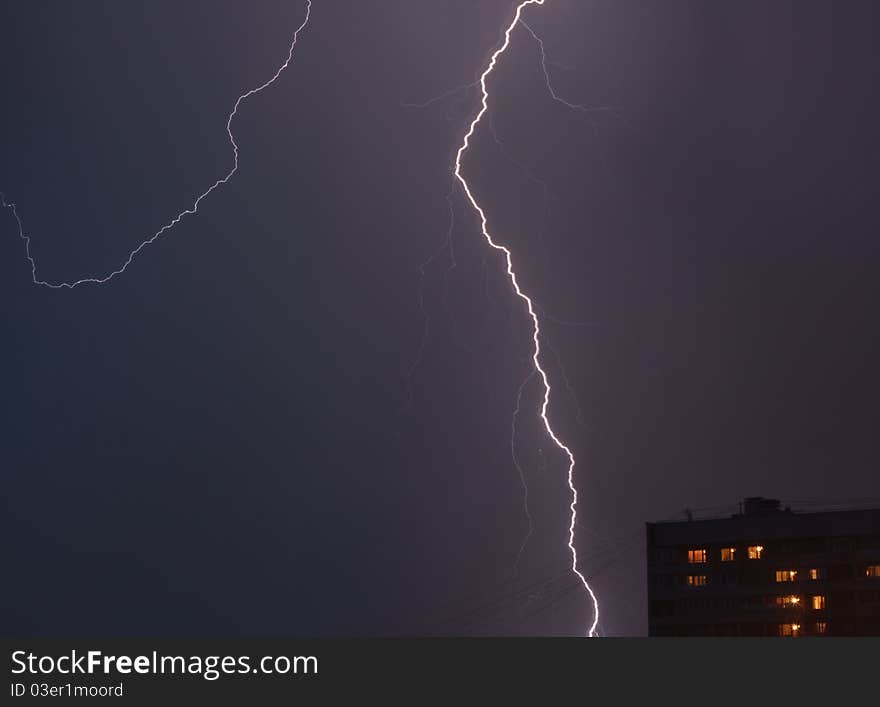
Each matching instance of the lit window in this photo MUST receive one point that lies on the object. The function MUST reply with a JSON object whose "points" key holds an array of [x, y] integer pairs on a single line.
{"points": [[755, 552], [696, 580], [728, 554], [786, 575], [872, 571], [695, 556], [817, 573], [818, 602], [821, 627], [789, 629], [791, 600]]}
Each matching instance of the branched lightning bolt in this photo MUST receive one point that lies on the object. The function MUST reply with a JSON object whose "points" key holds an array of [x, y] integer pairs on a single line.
{"points": [[191, 210], [536, 329], [536, 358]]}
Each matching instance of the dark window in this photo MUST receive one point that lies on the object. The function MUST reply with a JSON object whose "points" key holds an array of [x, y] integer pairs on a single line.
{"points": [[663, 554], [840, 572], [842, 544], [662, 607]]}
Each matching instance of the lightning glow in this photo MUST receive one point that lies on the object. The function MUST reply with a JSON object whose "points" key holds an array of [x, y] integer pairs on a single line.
{"points": [[536, 330], [191, 210]]}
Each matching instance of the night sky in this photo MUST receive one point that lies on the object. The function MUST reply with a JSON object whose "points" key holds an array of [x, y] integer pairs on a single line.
{"points": [[220, 441]]}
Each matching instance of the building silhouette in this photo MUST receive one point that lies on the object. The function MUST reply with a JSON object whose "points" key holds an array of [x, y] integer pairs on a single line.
{"points": [[765, 571]]}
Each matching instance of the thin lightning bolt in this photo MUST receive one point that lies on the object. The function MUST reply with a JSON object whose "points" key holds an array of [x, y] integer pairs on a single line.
{"points": [[449, 246], [192, 210], [522, 476], [446, 246], [529, 174], [536, 331], [583, 108], [440, 97], [572, 393]]}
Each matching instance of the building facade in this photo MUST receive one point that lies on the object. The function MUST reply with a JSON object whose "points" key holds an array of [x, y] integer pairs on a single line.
{"points": [[766, 571]]}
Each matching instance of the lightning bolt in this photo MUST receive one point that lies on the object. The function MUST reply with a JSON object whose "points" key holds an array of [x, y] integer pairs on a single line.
{"points": [[536, 326], [191, 210]]}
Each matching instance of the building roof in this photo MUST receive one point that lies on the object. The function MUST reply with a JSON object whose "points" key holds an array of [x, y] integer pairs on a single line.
{"points": [[767, 523]]}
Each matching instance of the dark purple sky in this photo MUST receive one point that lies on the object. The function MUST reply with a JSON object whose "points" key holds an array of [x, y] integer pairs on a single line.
{"points": [[214, 443]]}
